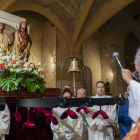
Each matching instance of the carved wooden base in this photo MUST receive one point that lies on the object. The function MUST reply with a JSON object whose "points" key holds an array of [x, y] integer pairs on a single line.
{"points": [[23, 92]]}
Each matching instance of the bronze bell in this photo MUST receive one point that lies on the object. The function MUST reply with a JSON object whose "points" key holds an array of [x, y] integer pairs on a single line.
{"points": [[74, 67]]}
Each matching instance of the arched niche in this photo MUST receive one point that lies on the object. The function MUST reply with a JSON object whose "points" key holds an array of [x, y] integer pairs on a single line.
{"points": [[131, 44]]}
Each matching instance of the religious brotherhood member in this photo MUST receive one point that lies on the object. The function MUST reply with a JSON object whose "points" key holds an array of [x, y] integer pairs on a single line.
{"points": [[4, 122], [134, 99], [23, 40], [4, 40], [81, 93], [99, 128], [124, 120], [66, 86], [68, 128]]}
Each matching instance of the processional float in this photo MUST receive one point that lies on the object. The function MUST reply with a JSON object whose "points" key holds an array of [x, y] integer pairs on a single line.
{"points": [[66, 102]]}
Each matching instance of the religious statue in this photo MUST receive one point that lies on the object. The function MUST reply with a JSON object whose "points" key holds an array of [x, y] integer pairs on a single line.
{"points": [[4, 40], [23, 40], [107, 86]]}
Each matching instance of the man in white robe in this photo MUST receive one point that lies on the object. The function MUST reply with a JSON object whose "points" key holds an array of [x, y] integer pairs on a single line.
{"points": [[81, 93], [4, 122], [134, 87], [99, 128], [67, 129]]}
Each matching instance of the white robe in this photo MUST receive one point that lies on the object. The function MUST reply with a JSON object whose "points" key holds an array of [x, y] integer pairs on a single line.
{"points": [[73, 126], [4, 122], [107, 132], [134, 100], [85, 125]]}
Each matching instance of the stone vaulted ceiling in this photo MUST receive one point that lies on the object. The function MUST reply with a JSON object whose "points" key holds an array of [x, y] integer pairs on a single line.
{"points": [[76, 19]]}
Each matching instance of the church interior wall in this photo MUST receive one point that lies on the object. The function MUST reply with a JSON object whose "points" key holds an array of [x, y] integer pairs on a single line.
{"points": [[112, 38], [91, 53], [63, 52]]}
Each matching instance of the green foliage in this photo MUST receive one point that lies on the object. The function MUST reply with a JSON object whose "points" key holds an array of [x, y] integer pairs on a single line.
{"points": [[41, 86], [10, 82]]}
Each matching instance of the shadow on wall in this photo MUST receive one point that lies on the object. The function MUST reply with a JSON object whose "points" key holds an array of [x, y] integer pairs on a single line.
{"points": [[131, 45], [89, 81]]}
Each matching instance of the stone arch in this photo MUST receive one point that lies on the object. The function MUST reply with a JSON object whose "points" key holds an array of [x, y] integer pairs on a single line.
{"points": [[18, 6], [131, 30], [98, 19]]}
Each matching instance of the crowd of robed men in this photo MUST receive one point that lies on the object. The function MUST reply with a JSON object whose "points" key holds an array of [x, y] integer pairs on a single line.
{"points": [[84, 127]]}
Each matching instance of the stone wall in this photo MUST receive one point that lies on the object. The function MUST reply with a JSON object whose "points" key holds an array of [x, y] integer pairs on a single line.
{"points": [[49, 52], [63, 52], [91, 53]]}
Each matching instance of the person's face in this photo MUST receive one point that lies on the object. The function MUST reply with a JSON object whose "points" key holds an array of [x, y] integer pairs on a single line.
{"points": [[128, 90], [81, 94], [24, 25], [125, 95], [1, 27], [67, 95], [66, 87], [100, 89]]}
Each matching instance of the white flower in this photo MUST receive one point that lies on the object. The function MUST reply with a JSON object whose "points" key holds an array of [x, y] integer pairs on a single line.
{"points": [[25, 69], [7, 59], [40, 69], [11, 70], [35, 72], [31, 65], [14, 57], [30, 69], [39, 64], [9, 64], [25, 65], [14, 65], [2, 57], [1, 62], [18, 70], [28, 63], [17, 63]]}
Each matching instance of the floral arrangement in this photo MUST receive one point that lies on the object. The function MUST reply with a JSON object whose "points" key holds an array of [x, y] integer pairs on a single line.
{"points": [[15, 73]]}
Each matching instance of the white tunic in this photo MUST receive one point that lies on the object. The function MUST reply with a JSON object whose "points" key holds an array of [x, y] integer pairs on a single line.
{"points": [[85, 125], [94, 133], [4, 122], [134, 100], [67, 129]]}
